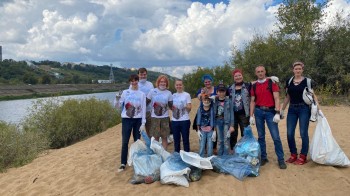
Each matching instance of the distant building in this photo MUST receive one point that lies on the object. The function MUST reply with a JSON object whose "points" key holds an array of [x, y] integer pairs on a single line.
{"points": [[104, 81]]}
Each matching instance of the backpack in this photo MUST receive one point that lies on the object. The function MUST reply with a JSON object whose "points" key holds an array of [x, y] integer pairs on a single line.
{"points": [[308, 81], [269, 87]]}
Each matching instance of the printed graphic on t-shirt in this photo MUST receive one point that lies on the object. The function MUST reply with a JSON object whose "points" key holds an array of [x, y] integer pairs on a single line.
{"points": [[179, 108], [238, 102], [160, 104], [220, 112], [133, 107], [205, 118]]}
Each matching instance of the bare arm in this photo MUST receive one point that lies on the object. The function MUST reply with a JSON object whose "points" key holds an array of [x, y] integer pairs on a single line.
{"points": [[188, 107], [252, 105], [285, 102], [276, 96]]}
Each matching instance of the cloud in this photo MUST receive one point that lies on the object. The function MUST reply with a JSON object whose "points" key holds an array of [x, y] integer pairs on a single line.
{"points": [[159, 33]]}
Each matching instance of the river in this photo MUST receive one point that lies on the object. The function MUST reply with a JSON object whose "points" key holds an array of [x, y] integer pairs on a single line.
{"points": [[14, 111]]}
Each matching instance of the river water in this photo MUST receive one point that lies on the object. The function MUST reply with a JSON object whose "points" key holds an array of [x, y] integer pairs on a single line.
{"points": [[14, 111]]}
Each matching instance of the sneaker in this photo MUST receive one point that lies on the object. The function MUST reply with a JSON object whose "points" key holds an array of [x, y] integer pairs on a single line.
{"points": [[282, 165], [263, 162], [121, 168]]}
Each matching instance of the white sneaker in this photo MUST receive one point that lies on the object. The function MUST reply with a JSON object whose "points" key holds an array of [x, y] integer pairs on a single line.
{"points": [[121, 168]]}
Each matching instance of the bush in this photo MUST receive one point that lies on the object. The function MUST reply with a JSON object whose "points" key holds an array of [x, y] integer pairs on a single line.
{"points": [[69, 121], [19, 147]]}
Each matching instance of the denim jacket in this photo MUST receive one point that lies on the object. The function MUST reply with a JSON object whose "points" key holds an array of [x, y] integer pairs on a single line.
{"points": [[228, 111], [212, 116], [245, 96]]}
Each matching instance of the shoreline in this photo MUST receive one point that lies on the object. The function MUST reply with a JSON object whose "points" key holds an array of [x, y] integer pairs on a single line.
{"points": [[13, 92]]}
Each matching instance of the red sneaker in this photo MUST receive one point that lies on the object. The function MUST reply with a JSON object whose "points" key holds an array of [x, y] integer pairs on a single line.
{"points": [[292, 158], [301, 160]]}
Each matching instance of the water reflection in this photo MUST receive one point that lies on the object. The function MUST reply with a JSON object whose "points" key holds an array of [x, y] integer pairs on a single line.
{"points": [[14, 111]]}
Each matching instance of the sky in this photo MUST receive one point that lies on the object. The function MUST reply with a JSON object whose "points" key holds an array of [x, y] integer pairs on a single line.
{"points": [[170, 36]]}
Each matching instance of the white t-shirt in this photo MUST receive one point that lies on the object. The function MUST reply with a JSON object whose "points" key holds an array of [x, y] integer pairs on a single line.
{"points": [[159, 102], [134, 104], [180, 100], [145, 88]]}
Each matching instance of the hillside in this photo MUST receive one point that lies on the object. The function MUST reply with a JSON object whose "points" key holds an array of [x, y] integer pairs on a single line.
{"points": [[52, 72]]}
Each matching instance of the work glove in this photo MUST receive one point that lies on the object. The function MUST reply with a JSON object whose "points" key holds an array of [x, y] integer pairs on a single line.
{"points": [[213, 137], [251, 120], [142, 128], [282, 114], [199, 134], [276, 118], [228, 134], [320, 113], [213, 98], [274, 79]]}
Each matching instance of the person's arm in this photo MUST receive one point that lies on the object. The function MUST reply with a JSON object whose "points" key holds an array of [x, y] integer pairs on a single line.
{"points": [[276, 96], [285, 102], [144, 106], [189, 104], [252, 106]]}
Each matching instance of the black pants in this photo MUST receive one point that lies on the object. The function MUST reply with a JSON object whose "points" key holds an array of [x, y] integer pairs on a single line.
{"points": [[242, 121]]}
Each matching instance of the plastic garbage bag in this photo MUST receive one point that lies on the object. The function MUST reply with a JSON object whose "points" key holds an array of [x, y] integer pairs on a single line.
{"points": [[194, 159], [134, 148], [146, 167], [146, 139], [248, 148], [158, 149], [234, 165], [324, 149], [174, 171]]}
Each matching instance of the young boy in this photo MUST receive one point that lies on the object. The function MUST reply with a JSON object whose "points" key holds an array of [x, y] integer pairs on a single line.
{"points": [[223, 119], [205, 124]]}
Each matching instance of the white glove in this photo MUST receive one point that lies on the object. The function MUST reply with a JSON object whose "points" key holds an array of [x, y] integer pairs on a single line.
{"points": [[252, 121], [282, 114], [213, 137], [276, 118], [228, 134], [320, 113], [275, 79], [142, 128], [213, 98], [199, 134]]}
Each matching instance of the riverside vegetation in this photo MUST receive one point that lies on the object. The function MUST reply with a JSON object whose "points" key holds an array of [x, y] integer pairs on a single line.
{"points": [[53, 124]]}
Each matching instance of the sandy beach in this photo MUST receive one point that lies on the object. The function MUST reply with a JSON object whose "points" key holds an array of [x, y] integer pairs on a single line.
{"points": [[90, 168]]}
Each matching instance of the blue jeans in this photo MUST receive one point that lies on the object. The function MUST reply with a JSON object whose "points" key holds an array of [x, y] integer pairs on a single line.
{"points": [[301, 112], [223, 142], [206, 139], [181, 128], [128, 125], [260, 117]]}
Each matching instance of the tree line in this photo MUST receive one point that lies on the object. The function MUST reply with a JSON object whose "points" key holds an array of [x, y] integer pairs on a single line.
{"points": [[301, 36]]}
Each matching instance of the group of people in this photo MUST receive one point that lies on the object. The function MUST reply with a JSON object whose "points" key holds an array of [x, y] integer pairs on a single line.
{"points": [[222, 112]]}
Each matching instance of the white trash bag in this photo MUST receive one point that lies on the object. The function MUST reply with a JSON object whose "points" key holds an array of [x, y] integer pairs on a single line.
{"points": [[324, 149], [194, 159]]}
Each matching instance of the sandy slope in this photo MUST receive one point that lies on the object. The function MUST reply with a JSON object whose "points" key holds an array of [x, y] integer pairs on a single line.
{"points": [[89, 168]]}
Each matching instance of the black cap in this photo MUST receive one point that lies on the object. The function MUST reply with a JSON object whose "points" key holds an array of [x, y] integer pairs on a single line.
{"points": [[221, 87]]}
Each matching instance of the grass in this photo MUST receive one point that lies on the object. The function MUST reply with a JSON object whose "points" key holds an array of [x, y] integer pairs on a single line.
{"points": [[53, 123]]}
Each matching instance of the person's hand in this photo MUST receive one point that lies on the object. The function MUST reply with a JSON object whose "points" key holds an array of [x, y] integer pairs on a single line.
{"points": [[199, 134], [282, 114], [276, 118], [142, 128], [251, 120], [275, 79], [213, 137], [320, 113], [203, 91]]}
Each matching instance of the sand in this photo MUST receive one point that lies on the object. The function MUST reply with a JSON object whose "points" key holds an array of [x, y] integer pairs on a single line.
{"points": [[90, 168]]}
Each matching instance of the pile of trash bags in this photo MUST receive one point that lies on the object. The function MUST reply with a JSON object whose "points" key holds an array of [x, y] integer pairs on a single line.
{"points": [[244, 162], [151, 162]]}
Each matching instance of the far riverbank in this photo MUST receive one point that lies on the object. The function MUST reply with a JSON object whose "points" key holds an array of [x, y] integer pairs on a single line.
{"points": [[12, 92]]}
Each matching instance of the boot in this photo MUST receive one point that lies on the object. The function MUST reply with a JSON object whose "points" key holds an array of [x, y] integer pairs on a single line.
{"points": [[292, 158], [301, 160]]}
